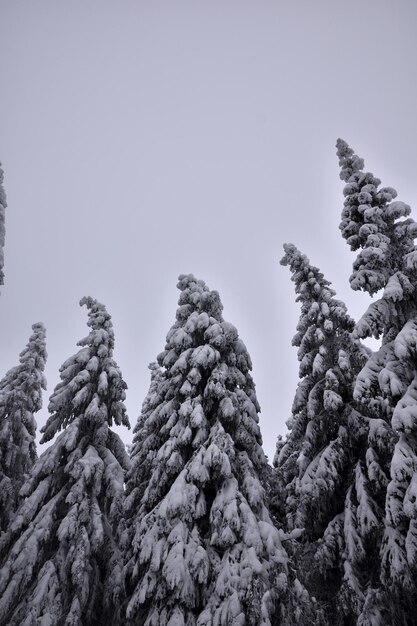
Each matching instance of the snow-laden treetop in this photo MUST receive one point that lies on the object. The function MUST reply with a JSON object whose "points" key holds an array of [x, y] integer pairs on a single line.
{"points": [[309, 280], [349, 162], [27, 378], [370, 220], [195, 295], [85, 390], [319, 307]]}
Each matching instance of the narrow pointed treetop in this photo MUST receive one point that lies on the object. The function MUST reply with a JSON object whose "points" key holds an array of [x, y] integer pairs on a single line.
{"points": [[203, 547], [371, 221], [60, 556], [310, 284], [349, 162], [3, 206], [91, 387], [20, 398]]}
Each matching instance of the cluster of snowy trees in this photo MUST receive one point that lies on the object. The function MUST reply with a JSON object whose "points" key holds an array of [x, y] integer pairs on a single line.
{"points": [[191, 526]]}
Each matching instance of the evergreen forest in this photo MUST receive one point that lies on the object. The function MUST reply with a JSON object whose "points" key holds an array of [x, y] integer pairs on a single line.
{"points": [[191, 525]]}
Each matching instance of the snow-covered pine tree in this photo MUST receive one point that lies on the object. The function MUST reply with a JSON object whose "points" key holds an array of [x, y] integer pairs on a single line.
{"points": [[3, 206], [203, 548], [323, 461], [20, 398], [379, 226], [61, 562], [328, 360], [371, 221]]}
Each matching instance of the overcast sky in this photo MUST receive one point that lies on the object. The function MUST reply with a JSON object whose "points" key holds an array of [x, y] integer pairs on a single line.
{"points": [[144, 139]]}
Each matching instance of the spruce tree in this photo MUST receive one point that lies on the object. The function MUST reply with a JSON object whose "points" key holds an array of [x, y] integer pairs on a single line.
{"points": [[203, 549], [3, 206], [20, 399], [61, 562], [325, 461], [328, 359], [377, 224]]}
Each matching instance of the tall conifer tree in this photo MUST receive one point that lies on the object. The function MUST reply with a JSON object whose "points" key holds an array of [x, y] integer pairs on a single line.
{"points": [[328, 359], [379, 226], [61, 563], [203, 548], [20, 399], [325, 461]]}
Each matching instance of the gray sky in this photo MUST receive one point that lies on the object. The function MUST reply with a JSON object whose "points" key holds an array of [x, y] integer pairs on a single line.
{"points": [[141, 140]]}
